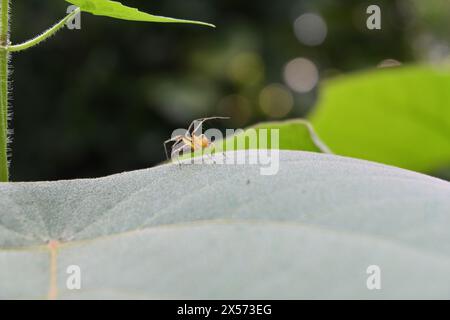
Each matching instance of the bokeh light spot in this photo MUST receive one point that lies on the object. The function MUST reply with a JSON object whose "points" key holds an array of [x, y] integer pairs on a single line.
{"points": [[389, 63], [276, 100], [301, 75], [246, 68], [310, 29]]}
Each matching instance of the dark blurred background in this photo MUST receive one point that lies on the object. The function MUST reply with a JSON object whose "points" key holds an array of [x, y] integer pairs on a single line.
{"points": [[101, 100]]}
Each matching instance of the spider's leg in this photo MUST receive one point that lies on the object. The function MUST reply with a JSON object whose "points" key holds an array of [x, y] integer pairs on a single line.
{"points": [[174, 147], [175, 139], [175, 150], [206, 153], [195, 147], [202, 120], [188, 132], [212, 145], [179, 147]]}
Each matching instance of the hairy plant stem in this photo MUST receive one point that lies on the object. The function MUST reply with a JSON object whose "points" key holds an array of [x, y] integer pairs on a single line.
{"points": [[44, 36], [5, 50], [4, 70]]}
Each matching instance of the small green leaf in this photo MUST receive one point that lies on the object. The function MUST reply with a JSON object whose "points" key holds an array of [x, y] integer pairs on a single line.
{"points": [[397, 116], [117, 10]]}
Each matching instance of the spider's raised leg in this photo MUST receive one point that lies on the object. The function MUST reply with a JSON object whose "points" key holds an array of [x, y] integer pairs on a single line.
{"points": [[200, 121]]}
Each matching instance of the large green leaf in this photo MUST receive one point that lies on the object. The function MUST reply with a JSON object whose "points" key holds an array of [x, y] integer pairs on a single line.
{"points": [[225, 231], [117, 10], [397, 116]]}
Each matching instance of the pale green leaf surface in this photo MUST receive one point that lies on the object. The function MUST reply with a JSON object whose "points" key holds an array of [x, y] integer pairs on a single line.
{"points": [[223, 231], [398, 116], [114, 9], [297, 134]]}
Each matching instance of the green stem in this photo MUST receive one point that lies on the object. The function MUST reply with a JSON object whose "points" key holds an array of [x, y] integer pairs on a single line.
{"points": [[45, 35], [4, 60], [5, 49]]}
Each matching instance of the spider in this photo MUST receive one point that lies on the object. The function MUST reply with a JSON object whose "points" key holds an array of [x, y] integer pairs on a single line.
{"points": [[190, 141]]}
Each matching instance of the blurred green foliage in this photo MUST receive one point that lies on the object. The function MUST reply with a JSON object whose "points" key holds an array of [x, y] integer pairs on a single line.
{"points": [[102, 99], [398, 116]]}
